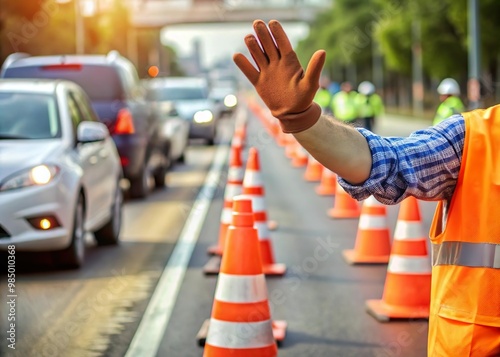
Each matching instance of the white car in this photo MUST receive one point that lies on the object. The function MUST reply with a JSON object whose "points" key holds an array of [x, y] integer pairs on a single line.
{"points": [[225, 95], [59, 171], [173, 128], [190, 96]]}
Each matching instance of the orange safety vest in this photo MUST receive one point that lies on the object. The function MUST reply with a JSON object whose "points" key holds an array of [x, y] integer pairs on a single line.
{"points": [[465, 297]]}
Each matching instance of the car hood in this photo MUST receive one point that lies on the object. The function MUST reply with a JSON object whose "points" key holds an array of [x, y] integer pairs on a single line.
{"points": [[19, 155], [187, 108]]}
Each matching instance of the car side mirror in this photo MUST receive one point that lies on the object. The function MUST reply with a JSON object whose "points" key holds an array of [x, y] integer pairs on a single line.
{"points": [[91, 132]]}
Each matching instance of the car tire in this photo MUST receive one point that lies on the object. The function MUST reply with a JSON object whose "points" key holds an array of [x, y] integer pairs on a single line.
{"points": [[109, 234], [182, 158], [73, 256], [140, 186], [159, 176]]}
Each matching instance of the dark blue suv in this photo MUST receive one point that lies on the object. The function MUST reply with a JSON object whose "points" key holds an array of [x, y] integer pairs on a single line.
{"points": [[113, 86]]}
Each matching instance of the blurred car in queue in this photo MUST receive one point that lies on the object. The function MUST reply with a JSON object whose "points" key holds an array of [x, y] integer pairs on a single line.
{"points": [[59, 171], [190, 95], [224, 94], [118, 98], [173, 128]]}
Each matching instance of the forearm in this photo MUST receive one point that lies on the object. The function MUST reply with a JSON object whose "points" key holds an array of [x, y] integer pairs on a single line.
{"points": [[339, 147]]}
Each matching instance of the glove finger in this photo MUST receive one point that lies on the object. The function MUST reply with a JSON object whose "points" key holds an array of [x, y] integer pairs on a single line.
{"points": [[259, 57], [315, 66], [266, 40], [246, 67], [284, 45]]}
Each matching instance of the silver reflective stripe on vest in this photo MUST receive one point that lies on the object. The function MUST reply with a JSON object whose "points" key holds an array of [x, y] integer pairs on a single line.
{"points": [[486, 255]]}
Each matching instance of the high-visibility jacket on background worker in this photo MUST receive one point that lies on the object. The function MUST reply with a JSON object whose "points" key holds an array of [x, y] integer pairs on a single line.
{"points": [[324, 99], [344, 106], [465, 235], [450, 106], [369, 105]]}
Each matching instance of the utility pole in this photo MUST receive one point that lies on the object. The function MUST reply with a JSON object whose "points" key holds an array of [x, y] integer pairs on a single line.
{"points": [[417, 71], [474, 85], [377, 67], [79, 29]]}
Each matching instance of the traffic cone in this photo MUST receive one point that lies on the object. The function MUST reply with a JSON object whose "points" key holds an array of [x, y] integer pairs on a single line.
{"points": [[239, 135], [253, 187], [290, 148], [234, 187], [373, 242], [314, 170], [328, 183], [407, 288], [344, 205], [281, 140], [275, 128], [240, 323], [301, 156]]}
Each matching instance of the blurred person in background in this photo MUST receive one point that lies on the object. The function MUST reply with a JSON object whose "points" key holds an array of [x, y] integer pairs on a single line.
{"points": [[449, 95], [334, 88], [345, 105], [456, 163], [370, 105], [323, 96]]}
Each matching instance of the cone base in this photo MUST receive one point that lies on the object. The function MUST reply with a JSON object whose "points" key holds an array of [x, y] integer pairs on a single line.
{"points": [[272, 225], [214, 250], [298, 164], [213, 265], [312, 178], [352, 257], [325, 191], [274, 269], [384, 313], [279, 332], [342, 213]]}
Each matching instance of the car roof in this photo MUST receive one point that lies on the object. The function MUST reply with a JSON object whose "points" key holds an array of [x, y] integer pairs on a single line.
{"points": [[179, 81], [42, 86], [109, 59]]}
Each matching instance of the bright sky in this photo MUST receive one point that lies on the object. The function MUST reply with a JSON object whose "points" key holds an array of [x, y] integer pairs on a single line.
{"points": [[219, 40]]}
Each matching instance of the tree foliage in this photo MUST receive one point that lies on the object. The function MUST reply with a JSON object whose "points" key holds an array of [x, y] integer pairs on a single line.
{"points": [[347, 30]]}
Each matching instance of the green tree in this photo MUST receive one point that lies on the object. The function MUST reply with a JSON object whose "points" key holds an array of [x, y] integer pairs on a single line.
{"points": [[345, 32]]}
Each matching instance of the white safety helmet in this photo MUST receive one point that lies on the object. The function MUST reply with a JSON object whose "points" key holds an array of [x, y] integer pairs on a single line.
{"points": [[366, 88], [448, 86]]}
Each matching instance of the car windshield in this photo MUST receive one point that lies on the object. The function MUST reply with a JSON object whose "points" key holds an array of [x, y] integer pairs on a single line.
{"points": [[101, 83], [28, 116], [222, 92], [177, 93]]}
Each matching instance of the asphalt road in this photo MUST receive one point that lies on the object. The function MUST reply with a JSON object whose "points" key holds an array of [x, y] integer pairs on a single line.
{"points": [[95, 311], [322, 301]]}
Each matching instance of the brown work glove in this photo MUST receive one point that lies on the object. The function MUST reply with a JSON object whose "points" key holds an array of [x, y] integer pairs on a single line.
{"points": [[280, 81]]}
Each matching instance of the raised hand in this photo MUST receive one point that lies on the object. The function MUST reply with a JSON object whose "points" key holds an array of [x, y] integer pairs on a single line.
{"points": [[280, 80]]}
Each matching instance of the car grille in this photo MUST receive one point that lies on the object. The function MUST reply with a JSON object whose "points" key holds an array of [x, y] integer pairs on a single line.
{"points": [[3, 233]]}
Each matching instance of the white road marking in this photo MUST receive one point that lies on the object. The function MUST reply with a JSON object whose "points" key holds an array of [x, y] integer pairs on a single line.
{"points": [[152, 327]]}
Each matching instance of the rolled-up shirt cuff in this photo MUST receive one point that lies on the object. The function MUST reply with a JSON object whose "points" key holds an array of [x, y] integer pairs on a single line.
{"points": [[373, 183]]}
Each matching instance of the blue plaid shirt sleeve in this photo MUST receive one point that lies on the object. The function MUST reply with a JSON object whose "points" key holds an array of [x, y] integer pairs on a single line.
{"points": [[425, 164]]}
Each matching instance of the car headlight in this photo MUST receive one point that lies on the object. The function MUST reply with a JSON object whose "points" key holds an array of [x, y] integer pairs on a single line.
{"points": [[203, 116], [230, 101], [36, 176]]}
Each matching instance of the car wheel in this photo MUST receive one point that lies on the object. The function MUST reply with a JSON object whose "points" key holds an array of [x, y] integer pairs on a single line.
{"points": [[182, 158], [159, 176], [73, 256], [141, 186], [109, 234]]}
